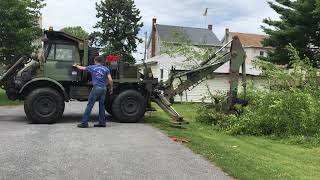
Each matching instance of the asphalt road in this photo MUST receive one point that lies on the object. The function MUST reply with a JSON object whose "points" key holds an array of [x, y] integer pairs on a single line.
{"points": [[120, 151]]}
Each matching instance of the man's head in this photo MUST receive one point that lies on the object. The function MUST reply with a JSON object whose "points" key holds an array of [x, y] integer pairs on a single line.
{"points": [[98, 60]]}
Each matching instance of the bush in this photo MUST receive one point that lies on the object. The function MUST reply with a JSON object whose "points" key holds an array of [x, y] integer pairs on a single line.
{"points": [[290, 108], [210, 116], [280, 113]]}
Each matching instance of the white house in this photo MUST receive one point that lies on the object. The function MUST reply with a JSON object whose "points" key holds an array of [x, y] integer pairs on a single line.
{"points": [[161, 64], [252, 44]]}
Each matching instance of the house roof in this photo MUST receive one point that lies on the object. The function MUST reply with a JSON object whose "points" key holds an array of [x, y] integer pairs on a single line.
{"points": [[254, 40], [198, 36]]}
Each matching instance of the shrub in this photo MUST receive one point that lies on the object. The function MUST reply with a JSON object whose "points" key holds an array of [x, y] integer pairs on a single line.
{"points": [[290, 108], [280, 113], [210, 116], [212, 113]]}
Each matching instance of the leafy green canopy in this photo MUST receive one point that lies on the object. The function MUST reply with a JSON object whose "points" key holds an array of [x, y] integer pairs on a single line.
{"points": [[19, 27], [180, 44], [76, 31], [120, 23], [299, 25]]}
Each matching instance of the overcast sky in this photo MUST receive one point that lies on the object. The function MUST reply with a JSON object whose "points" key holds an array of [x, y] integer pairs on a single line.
{"points": [[237, 15]]}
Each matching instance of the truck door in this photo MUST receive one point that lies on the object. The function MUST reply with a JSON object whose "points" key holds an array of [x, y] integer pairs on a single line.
{"points": [[59, 63]]}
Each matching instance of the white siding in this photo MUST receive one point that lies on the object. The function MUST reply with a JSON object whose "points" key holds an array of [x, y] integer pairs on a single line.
{"points": [[254, 53], [220, 84]]}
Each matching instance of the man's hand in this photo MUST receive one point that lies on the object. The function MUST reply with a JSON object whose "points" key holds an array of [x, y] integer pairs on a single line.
{"points": [[110, 84], [110, 91], [79, 67]]}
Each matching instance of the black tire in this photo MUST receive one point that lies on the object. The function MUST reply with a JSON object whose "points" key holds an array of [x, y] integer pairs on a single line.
{"points": [[44, 106], [129, 107]]}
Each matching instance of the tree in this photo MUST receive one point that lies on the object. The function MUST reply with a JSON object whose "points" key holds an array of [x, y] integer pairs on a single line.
{"points": [[120, 23], [19, 27], [76, 31], [299, 25], [178, 43]]}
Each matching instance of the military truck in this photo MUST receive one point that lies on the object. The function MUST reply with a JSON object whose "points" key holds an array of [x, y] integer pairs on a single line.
{"points": [[47, 83]]}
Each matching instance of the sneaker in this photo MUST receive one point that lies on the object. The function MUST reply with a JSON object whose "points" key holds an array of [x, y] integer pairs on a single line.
{"points": [[99, 125], [83, 125]]}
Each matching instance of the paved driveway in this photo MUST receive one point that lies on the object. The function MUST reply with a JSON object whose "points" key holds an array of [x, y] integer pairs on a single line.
{"points": [[120, 151]]}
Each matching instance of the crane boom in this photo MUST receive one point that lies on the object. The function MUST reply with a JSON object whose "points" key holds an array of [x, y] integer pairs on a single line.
{"points": [[192, 78]]}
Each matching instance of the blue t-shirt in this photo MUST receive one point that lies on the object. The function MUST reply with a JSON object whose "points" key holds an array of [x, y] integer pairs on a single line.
{"points": [[99, 75]]}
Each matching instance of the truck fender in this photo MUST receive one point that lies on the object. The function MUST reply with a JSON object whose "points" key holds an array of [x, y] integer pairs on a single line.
{"points": [[51, 81]]}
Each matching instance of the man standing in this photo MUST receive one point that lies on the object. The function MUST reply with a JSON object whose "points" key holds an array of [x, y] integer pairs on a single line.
{"points": [[101, 77]]}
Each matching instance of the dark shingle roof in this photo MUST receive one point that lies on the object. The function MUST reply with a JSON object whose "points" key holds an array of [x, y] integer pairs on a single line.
{"points": [[198, 36]]}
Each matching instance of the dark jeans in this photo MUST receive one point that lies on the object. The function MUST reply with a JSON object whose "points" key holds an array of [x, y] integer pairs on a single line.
{"points": [[97, 93]]}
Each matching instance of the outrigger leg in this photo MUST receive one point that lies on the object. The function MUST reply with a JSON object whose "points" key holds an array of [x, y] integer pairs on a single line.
{"points": [[166, 106]]}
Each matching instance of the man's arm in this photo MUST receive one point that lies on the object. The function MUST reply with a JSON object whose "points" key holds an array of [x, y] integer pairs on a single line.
{"points": [[82, 68], [110, 82]]}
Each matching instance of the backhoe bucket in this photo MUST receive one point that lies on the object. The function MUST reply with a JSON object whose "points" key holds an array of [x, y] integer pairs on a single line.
{"points": [[166, 106]]}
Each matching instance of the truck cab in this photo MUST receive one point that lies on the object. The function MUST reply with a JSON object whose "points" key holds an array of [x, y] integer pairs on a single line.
{"points": [[61, 52]]}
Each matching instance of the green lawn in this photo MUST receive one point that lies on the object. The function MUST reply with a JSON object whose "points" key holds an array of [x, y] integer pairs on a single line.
{"points": [[4, 101], [242, 157]]}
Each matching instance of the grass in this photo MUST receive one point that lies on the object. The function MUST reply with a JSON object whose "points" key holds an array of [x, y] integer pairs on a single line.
{"points": [[242, 157], [4, 101]]}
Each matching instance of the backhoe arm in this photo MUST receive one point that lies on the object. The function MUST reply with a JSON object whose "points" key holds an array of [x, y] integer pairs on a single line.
{"points": [[190, 79], [12, 70]]}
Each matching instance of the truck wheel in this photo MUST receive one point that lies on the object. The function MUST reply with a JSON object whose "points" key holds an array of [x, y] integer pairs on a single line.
{"points": [[129, 107], [44, 106]]}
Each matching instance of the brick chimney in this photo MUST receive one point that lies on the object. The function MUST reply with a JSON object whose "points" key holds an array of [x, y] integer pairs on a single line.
{"points": [[153, 37], [210, 27]]}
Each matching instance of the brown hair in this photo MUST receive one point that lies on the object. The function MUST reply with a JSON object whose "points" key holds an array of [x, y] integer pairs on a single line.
{"points": [[98, 59]]}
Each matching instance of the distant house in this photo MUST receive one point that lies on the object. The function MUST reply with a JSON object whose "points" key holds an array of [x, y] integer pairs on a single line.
{"points": [[163, 33], [161, 63], [252, 44]]}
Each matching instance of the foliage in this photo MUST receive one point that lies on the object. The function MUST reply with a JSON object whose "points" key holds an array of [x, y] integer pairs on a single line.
{"points": [[18, 27], [212, 112], [299, 25], [76, 31], [179, 44], [288, 109], [120, 23], [301, 74], [281, 113], [210, 116]]}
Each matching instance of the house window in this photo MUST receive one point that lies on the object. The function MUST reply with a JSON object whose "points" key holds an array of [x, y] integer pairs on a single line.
{"points": [[262, 53], [161, 73]]}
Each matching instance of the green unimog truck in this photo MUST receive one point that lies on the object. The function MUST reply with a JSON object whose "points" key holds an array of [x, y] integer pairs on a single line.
{"points": [[47, 83]]}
